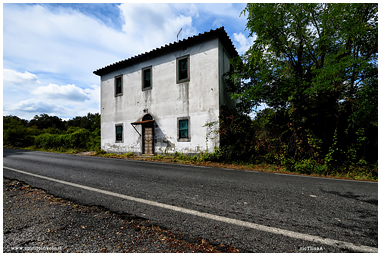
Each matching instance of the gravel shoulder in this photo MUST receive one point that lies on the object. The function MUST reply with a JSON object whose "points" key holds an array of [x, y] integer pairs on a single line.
{"points": [[34, 221]]}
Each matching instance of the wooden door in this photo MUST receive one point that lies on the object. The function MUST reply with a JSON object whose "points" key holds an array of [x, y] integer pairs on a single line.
{"points": [[148, 140]]}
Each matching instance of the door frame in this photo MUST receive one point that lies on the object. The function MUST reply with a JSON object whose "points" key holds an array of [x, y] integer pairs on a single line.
{"points": [[143, 138], [148, 122]]}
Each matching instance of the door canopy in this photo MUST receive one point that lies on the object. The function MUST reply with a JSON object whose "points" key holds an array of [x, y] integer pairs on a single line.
{"points": [[147, 119]]}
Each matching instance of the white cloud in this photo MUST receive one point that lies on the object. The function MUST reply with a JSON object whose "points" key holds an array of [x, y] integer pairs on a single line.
{"points": [[37, 106], [94, 93], [220, 10], [244, 42], [17, 78], [71, 43], [218, 23], [187, 9], [66, 42], [154, 25], [68, 92], [64, 101]]}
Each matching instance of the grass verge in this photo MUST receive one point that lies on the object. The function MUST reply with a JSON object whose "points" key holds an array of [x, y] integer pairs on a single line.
{"points": [[350, 173]]}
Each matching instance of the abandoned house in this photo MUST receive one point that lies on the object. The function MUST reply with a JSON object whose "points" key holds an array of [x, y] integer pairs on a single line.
{"points": [[161, 101]]}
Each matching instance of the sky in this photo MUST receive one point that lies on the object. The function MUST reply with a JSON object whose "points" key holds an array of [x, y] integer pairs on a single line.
{"points": [[51, 50]]}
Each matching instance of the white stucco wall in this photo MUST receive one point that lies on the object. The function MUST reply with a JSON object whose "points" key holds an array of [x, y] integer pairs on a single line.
{"points": [[197, 99]]}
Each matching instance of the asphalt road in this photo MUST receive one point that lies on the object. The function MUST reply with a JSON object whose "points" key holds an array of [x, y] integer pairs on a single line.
{"points": [[251, 211]]}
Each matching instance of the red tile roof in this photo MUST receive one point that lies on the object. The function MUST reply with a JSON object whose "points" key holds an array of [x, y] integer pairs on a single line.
{"points": [[217, 33]]}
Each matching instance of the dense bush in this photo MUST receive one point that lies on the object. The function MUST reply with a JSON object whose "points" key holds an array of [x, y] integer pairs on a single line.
{"points": [[269, 139], [58, 136], [79, 139], [15, 133]]}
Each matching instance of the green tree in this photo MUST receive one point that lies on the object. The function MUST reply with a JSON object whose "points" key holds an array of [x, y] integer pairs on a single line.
{"points": [[44, 121], [90, 122], [8, 119], [318, 63], [15, 132]]}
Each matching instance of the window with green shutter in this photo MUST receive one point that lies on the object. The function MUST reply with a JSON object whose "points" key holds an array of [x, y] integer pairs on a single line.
{"points": [[183, 129], [183, 69]]}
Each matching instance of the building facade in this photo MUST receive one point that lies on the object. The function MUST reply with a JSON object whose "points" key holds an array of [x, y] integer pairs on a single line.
{"points": [[168, 99]]}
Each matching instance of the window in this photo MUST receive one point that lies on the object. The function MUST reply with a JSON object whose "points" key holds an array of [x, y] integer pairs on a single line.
{"points": [[147, 78], [119, 133], [183, 69], [183, 129], [118, 85]]}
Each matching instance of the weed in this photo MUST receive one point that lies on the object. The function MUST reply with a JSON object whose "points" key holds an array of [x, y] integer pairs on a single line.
{"points": [[129, 154], [99, 151], [158, 157]]}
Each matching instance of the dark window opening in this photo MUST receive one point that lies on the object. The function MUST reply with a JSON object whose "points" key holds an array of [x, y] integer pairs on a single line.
{"points": [[183, 69], [147, 78], [147, 117], [118, 86], [119, 133]]}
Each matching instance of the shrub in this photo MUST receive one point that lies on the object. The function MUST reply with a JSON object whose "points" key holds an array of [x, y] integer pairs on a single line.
{"points": [[94, 141], [99, 151], [211, 157], [182, 157], [306, 166], [158, 157], [79, 138], [15, 134], [129, 154], [76, 140]]}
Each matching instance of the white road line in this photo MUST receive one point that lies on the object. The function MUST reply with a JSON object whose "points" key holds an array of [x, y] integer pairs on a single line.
{"points": [[278, 231]]}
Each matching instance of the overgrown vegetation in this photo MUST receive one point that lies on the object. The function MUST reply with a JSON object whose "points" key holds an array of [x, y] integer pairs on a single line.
{"points": [[46, 132], [249, 144], [314, 68]]}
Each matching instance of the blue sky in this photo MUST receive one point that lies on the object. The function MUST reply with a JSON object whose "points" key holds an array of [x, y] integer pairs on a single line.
{"points": [[51, 50]]}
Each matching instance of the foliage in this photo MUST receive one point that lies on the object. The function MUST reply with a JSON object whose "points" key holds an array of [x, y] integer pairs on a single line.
{"points": [[76, 140], [44, 121], [50, 132], [316, 68], [99, 151], [8, 119], [236, 133], [308, 166], [15, 132], [94, 140], [182, 157], [129, 154], [91, 122], [158, 157]]}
